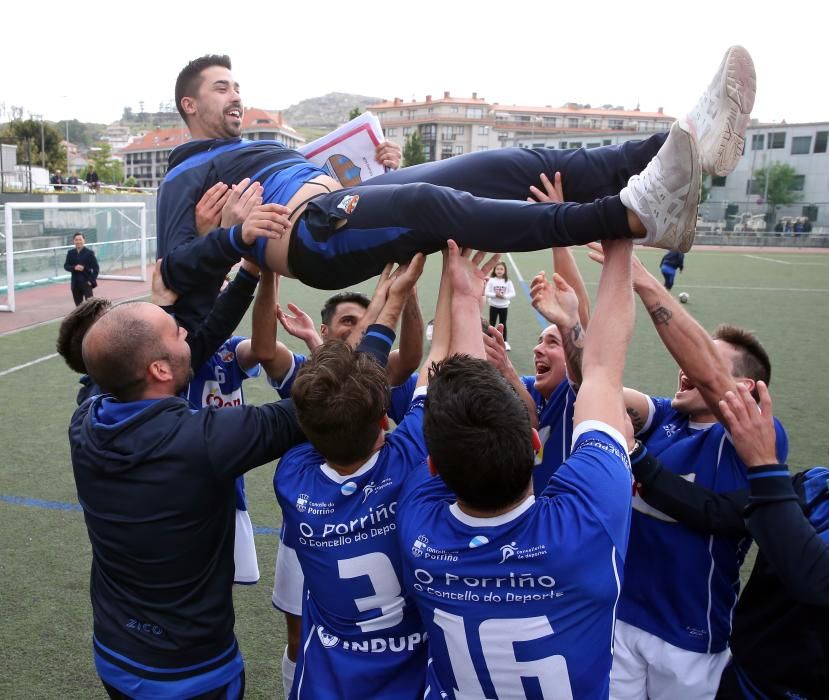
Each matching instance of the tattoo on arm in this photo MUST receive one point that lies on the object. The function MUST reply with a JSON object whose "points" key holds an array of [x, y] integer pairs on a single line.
{"points": [[661, 315], [573, 349], [636, 418]]}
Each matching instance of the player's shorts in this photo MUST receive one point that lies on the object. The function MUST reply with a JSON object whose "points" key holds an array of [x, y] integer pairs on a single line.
{"points": [[244, 551], [288, 581], [328, 667], [645, 666]]}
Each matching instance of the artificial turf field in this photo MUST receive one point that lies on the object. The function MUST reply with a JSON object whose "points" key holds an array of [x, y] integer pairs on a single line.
{"points": [[45, 635]]}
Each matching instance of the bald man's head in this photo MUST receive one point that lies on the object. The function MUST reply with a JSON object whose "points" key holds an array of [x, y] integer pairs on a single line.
{"points": [[119, 349]]}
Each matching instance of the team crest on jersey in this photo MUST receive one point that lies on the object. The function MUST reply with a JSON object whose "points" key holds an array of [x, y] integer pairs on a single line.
{"points": [[349, 203], [302, 502], [420, 545], [422, 548], [348, 488], [327, 640], [478, 541], [670, 430], [227, 355]]}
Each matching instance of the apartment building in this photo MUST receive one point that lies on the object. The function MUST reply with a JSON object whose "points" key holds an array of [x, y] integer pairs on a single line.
{"points": [[145, 159], [450, 126]]}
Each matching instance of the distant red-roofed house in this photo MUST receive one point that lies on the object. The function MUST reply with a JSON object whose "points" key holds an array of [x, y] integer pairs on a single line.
{"points": [[145, 158]]}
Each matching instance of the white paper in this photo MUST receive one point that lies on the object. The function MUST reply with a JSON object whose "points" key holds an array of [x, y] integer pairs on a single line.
{"points": [[347, 153]]}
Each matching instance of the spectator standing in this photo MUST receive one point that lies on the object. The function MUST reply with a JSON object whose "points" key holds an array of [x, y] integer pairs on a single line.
{"points": [[499, 292], [83, 265]]}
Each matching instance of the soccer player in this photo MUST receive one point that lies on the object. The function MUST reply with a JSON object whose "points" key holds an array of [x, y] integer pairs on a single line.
{"points": [[681, 585], [779, 641], [518, 593], [330, 237], [155, 481], [345, 316], [361, 636]]}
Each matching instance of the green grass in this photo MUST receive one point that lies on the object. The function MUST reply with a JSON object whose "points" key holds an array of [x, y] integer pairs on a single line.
{"points": [[44, 570]]}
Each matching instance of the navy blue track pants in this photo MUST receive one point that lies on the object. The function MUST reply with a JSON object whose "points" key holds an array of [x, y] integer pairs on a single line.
{"points": [[478, 199]]}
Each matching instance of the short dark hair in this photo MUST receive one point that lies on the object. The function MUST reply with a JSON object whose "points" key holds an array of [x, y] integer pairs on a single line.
{"points": [[190, 78], [340, 397], [331, 304], [119, 360], [478, 433], [73, 328], [752, 359], [79, 233]]}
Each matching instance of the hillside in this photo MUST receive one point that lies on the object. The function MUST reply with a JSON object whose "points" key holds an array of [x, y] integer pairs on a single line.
{"points": [[325, 112]]}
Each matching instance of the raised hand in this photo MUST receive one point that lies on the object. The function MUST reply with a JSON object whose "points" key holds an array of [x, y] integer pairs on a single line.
{"points": [[209, 208], [406, 276], [555, 300], [266, 221], [389, 155], [553, 190], [751, 426], [469, 273], [241, 200], [299, 324]]}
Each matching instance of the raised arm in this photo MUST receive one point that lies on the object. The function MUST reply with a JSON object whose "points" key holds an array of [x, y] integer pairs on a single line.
{"points": [[611, 329], [261, 346], [557, 302], [468, 276], [687, 341], [407, 358]]}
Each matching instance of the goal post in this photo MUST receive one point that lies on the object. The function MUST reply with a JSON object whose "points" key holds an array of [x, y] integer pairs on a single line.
{"points": [[121, 244]]}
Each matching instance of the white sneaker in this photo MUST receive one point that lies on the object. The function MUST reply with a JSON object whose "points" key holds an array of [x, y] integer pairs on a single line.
{"points": [[507, 345], [719, 119], [665, 195]]}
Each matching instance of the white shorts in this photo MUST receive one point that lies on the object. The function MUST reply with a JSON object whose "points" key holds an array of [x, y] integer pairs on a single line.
{"points": [[288, 581], [645, 666], [244, 551]]}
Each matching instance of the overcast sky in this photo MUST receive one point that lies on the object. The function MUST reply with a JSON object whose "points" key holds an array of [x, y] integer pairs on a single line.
{"points": [[90, 60]]}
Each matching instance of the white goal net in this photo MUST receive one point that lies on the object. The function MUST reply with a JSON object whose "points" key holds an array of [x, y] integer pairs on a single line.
{"points": [[38, 234]]}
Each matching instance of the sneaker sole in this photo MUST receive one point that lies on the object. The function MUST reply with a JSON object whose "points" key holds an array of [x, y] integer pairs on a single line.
{"points": [[722, 150]]}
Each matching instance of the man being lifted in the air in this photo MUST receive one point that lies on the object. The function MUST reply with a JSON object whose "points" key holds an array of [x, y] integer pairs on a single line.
{"points": [[328, 237]]}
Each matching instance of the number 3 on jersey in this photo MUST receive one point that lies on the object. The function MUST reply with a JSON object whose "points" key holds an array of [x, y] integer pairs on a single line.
{"points": [[497, 637], [380, 571]]}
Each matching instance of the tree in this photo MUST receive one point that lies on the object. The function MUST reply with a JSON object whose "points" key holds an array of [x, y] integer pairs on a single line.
{"points": [[26, 135], [413, 150], [778, 183], [354, 113], [109, 170]]}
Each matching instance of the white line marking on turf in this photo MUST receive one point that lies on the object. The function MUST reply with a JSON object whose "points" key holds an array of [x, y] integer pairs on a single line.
{"points": [[515, 267], [28, 364], [760, 257], [740, 289]]}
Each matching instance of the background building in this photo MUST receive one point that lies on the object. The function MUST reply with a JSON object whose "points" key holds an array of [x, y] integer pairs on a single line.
{"points": [[145, 159], [451, 126], [740, 196]]}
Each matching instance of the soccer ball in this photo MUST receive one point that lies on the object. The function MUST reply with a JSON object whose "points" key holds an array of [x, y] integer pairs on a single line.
{"points": [[683, 297]]}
